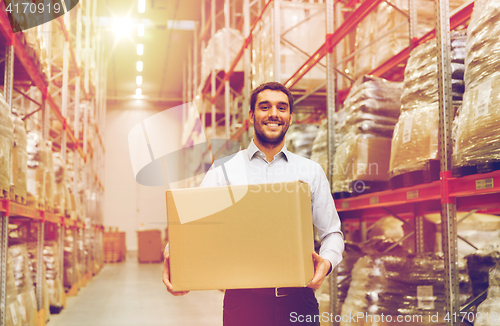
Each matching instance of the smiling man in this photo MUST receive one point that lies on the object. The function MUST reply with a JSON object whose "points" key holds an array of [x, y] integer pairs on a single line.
{"points": [[266, 160]]}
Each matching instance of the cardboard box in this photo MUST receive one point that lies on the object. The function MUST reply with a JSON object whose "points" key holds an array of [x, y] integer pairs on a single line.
{"points": [[371, 159], [150, 250], [255, 236]]}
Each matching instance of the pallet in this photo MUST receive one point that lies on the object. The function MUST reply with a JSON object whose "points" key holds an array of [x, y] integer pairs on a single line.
{"points": [[4, 193], [479, 168], [427, 174], [341, 195], [55, 309]]}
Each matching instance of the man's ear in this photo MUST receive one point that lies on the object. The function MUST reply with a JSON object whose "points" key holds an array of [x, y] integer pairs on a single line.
{"points": [[291, 118], [251, 116]]}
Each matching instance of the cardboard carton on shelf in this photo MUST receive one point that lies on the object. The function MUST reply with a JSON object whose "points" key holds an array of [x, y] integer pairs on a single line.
{"points": [[255, 236], [150, 246]]}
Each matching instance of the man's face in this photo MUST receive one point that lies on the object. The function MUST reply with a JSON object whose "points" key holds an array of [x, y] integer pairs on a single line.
{"points": [[271, 118]]}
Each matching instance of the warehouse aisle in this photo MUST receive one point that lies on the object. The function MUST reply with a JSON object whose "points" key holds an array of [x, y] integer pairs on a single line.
{"points": [[132, 294]]}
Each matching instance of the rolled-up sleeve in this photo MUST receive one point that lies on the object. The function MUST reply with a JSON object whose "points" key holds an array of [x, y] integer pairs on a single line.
{"points": [[326, 220]]}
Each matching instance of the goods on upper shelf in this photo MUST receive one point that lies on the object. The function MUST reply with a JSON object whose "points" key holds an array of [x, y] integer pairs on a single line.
{"points": [[371, 111], [478, 121], [297, 43], [390, 28], [487, 311], [399, 284], [13, 315], [60, 184], [19, 159], [299, 139], [217, 49], [415, 140], [37, 165], [24, 283], [6, 143]]}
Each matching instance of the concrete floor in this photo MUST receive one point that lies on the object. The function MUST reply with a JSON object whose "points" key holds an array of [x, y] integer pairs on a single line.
{"points": [[133, 294]]}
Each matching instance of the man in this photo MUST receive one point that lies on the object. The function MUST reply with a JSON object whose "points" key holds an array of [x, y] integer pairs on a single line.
{"points": [[266, 160]]}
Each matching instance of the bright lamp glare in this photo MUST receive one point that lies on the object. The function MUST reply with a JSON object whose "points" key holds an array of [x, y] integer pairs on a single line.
{"points": [[140, 29], [122, 26], [140, 49], [139, 65], [138, 92], [141, 6], [138, 80]]}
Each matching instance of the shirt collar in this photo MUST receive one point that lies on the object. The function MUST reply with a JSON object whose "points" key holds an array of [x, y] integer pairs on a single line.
{"points": [[253, 149]]}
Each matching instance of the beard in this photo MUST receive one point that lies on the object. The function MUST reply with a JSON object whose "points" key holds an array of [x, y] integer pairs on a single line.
{"points": [[270, 140]]}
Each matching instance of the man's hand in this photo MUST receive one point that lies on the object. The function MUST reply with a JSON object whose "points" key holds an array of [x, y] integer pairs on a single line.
{"points": [[166, 275], [321, 268]]}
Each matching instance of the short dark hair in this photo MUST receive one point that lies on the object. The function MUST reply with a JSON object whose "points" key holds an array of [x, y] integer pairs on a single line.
{"points": [[275, 86]]}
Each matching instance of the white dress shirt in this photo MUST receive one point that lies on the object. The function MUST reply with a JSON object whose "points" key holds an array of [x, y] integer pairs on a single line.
{"points": [[250, 166]]}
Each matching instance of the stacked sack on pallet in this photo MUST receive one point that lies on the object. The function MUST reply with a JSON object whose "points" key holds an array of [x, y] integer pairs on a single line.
{"points": [[37, 163], [478, 121], [371, 111], [409, 285], [415, 140], [32, 255], [24, 284], [19, 159], [6, 143], [384, 32], [13, 315], [300, 137]]}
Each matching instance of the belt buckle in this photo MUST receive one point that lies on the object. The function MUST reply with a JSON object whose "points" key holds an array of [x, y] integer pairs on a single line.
{"points": [[276, 292]]}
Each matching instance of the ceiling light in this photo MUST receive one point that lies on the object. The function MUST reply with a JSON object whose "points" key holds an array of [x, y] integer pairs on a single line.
{"points": [[140, 29], [141, 6], [122, 26], [138, 80], [140, 49], [138, 92], [139, 65]]}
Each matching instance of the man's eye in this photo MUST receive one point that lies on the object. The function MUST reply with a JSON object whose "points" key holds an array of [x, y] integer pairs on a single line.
{"points": [[265, 107]]}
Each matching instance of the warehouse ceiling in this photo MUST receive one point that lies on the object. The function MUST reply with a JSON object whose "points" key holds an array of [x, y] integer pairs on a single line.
{"points": [[167, 36]]}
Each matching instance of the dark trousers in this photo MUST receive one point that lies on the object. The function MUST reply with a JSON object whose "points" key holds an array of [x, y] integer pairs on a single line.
{"points": [[249, 307]]}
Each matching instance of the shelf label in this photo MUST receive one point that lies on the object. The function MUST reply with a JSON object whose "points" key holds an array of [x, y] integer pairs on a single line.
{"points": [[483, 98], [408, 124], [345, 204], [425, 297], [484, 184], [412, 194], [374, 200]]}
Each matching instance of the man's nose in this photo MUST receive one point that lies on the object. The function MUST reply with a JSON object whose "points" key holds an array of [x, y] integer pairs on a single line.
{"points": [[273, 112]]}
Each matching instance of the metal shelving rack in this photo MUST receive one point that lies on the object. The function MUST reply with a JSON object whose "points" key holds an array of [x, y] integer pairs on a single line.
{"points": [[70, 89], [480, 193]]}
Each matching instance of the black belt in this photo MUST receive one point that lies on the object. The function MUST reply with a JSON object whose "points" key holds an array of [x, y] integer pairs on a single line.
{"points": [[277, 292]]}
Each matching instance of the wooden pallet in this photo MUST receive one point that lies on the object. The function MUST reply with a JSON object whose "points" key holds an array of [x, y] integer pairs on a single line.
{"points": [[4, 193], [360, 187], [428, 173], [462, 171], [341, 195]]}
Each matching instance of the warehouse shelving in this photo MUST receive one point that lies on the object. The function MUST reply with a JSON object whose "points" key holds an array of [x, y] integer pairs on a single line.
{"points": [[58, 94]]}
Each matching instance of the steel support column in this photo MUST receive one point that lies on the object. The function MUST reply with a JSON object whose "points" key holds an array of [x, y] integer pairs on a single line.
{"points": [[448, 212], [4, 243], [227, 67]]}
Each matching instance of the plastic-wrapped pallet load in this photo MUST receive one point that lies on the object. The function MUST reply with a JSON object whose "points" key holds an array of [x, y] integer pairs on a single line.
{"points": [[32, 255], [371, 111], [487, 312], [24, 283], [54, 285], [6, 143], [60, 184], [70, 259], [408, 285], [49, 178], [37, 162], [216, 50], [390, 28], [479, 264], [478, 122], [19, 160], [13, 315], [300, 137], [415, 139]]}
